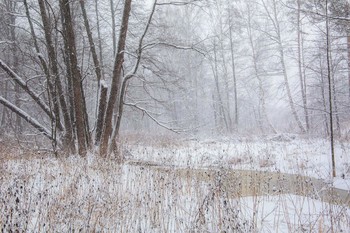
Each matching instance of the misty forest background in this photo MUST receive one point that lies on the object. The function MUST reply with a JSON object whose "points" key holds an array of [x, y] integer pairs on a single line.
{"points": [[82, 73]]}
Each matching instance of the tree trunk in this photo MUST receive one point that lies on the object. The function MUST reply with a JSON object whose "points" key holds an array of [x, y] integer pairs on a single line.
{"points": [[348, 49], [335, 107], [26, 117], [56, 89], [91, 43], [95, 60], [99, 38], [116, 79], [86, 117], [36, 97], [101, 112], [15, 63], [323, 94], [262, 114], [220, 103], [229, 127], [330, 95], [114, 39], [4, 115], [76, 77], [234, 76], [300, 67], [69, 87], [284, 69]]}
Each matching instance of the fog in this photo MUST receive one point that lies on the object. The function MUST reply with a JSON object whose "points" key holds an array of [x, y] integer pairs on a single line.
{"points": [[222, 67]]}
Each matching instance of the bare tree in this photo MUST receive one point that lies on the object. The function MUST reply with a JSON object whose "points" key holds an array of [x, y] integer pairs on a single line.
{"points": [[233, 65], [276, 36], [54, 81], [255, 59], [302, 78], [116, 80], [76, 77], [330, 94]]}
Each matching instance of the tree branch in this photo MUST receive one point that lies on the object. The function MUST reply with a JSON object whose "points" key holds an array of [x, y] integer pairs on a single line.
{"points": [[23, 85], [153, 118], [152, 45], [26, 117], [178, 3]]}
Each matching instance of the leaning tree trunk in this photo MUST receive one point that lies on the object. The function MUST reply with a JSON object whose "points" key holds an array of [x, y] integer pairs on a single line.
{"points": [[20, 113], [55, 86], [103, 90], [76, 77], [124, 84], [116, 80]]}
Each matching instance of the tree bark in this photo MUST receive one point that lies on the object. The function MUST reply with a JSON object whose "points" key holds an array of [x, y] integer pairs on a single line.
{"points": [[330, 95], [114, 39], [91, 43], [124, 84], [4, 116], [323, 94], [24, 86], [95, 60], [99, 38], [234, 75], [101, 112], [302, 78], [226, 87], [26, 117], [116, 79], [56, 89], [348, 50], [15, 64], [76, 77], [218, 91]]}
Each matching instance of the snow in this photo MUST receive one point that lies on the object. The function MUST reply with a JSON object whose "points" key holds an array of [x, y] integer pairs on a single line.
{"points": [[104, 84], [40, 55], [305, 157], [291, 213], [185, 188]]}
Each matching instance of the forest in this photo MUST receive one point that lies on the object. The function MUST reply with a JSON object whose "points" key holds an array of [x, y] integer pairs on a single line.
{"points": [[181, 98], [85, 70]]}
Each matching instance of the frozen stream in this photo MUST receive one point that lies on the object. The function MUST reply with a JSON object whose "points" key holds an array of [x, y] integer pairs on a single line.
{"points": [[245, 183], [53, 195]]}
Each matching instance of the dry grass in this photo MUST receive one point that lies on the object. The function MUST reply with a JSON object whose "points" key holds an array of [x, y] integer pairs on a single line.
{"points": [[42, 193]]}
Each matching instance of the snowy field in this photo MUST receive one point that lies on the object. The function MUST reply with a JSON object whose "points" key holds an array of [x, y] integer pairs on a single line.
{"points": [[40, 193]]}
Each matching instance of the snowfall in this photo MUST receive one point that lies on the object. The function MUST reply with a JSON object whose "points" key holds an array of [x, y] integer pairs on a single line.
{"points": [[180, 185]]}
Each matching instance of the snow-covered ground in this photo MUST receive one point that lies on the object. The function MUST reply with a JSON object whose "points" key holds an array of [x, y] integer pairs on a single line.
{"points": [[43, 193], [281, 153]]}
